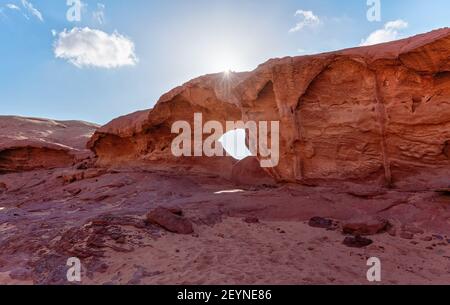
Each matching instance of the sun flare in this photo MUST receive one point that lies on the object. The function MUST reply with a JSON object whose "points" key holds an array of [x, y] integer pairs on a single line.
{"points": [[225, 61]]}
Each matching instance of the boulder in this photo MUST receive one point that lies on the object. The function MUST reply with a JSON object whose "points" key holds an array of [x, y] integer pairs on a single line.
{"points": [[170, 221], [365, 226]]}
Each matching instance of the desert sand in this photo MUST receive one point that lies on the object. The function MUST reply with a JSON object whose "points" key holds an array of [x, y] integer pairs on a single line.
{"points": [[102, 221]]}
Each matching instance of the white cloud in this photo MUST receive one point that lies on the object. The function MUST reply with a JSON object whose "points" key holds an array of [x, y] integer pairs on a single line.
{"points": [[32, 10], [85, 47], [99, 14], [307, 19], [12, 6], [389, 32]]}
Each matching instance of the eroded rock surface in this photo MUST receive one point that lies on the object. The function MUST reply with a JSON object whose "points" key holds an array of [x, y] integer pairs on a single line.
{"points": [[31, 143], [379, 113]]}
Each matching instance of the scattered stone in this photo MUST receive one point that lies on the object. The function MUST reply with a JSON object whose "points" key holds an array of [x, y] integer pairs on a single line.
{"points": [[406, 235], [3, 187], [170, 221], [251, 220], [102, 268], [72, 176], [438, 237], [176, 210], [74, 192], [121, 240], [322, 223], [366, 192], [357, 242], [78, 175], [427, 238], [413, 230], [392, 231], [365, 226], [20, 274]]}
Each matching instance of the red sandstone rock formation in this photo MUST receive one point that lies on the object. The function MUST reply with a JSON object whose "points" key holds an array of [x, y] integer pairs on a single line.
{"points": [[29, 143], [249, 172], [376, 113]]}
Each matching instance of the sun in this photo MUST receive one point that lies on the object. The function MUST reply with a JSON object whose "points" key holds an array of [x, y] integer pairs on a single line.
{"points": [[225, 61], [225, 64]]}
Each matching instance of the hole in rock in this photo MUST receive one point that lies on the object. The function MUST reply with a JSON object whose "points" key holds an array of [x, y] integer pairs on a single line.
{"points": [[234, 143]]}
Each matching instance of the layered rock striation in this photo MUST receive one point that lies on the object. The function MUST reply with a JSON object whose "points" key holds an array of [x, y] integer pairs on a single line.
{"points": [[30, 143], [378, 113]]}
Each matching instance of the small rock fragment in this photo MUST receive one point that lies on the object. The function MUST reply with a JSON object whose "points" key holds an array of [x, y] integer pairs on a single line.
{"points": [[251, 220], [320, 222]]}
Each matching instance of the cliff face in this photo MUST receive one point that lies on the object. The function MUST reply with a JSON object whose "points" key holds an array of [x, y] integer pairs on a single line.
{"points": [[375, 113], [30, 143]]}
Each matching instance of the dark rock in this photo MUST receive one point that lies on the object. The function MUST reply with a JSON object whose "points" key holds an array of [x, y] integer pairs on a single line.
{"points": [[170, 221], [176, 210], [444, 191], [251, 220], [319, 222], [438, 237], [357, 242]]}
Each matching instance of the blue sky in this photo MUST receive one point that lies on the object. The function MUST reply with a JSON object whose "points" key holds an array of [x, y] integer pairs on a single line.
{"points": [[122, 55]]}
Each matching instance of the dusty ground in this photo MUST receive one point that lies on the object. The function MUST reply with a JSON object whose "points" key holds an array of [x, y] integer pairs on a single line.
{"points": [[101, 221]]}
